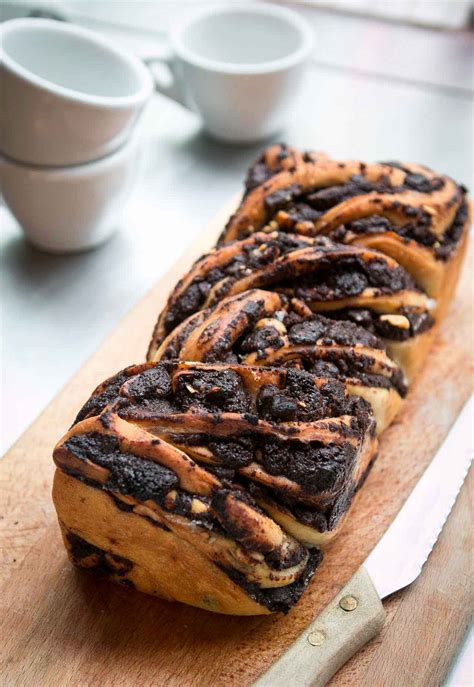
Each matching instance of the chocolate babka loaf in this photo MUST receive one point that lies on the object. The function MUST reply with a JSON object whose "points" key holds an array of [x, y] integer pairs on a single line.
{"points": [[404, 210], [211, 484], [344, 282], [214, 473]]}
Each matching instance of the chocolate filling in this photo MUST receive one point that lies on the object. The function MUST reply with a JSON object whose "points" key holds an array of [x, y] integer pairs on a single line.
{"points": [[419, 322], [348, 277], [139, 477], [97, 402], [453, 234], [260, 339], [279, 599], [330, 332], [301, 400], [233, 454], [262, 251], [149, 394], [254, 310], [151, 383], [419, 231], [222, 391], [102, 562], [348, 367], [131, 475], [280, 198], [310, 205], [322, 520], [298, 212], [315, 467], [315, 330], [291, 205]]}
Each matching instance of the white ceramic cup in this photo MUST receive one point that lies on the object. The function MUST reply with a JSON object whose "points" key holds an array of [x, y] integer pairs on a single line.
{"points": [[239, 66], [69, 209], [67, 94]]}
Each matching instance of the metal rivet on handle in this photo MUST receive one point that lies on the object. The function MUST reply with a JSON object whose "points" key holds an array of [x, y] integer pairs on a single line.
{"points": [[348, 603], [316, 638]]}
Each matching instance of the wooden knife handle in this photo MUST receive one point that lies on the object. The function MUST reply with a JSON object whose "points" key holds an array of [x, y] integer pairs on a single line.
{"points": [[353, 617]]}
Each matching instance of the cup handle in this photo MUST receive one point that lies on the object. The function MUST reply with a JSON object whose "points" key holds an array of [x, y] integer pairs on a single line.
{"points": [[174, 89]]}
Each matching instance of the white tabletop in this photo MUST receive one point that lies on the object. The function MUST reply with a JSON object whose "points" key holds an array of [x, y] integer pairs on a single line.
{"points": [[375, 91]]}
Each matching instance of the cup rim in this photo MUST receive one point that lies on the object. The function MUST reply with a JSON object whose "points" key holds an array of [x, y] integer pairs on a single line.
{"points": [[81, 169], [144, 79], [264, 67]]}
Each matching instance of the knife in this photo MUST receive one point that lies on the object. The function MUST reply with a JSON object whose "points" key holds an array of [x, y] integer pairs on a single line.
{"points": [[356, 614]]}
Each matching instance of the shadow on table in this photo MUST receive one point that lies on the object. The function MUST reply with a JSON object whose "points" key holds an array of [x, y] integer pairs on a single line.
{"points": [[203, 152], [24, 263]]}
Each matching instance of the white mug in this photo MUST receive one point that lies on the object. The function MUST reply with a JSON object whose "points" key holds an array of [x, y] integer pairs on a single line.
{"points": [[74, 208], [67, 94], [239, 66]]}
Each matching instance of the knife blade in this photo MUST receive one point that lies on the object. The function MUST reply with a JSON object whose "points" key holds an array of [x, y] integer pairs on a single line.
{"points": [[356, 614]]}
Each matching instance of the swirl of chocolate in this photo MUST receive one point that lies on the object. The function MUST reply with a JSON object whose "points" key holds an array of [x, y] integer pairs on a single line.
{"points": [[179, 445], [407, 211], [220, 266], [341, 281], [265, 328]]}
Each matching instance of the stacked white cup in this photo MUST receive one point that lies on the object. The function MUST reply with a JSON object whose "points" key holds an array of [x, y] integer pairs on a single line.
{"points": [[70, 99], [69, 103]]}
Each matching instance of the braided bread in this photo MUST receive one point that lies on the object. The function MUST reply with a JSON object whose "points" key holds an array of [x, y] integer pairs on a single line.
{"points": [[188, 458], [403, 210], [343, 281], [213, 473]]}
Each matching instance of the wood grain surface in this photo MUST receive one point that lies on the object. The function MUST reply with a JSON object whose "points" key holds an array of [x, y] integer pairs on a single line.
{"points": [[434, 613], [60, 626]]}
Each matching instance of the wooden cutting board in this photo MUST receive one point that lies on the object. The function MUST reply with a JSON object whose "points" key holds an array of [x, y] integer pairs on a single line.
{"points": [[60, 626]]}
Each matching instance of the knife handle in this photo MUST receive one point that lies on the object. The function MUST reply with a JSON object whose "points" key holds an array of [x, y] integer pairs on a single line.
{"points": [[353, 617]]}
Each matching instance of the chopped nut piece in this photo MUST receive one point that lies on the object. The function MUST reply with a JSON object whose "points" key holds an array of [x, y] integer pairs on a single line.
{"points": [[301, 308], [198, 507], [170, 498], [271, 322], [399, 321]]}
